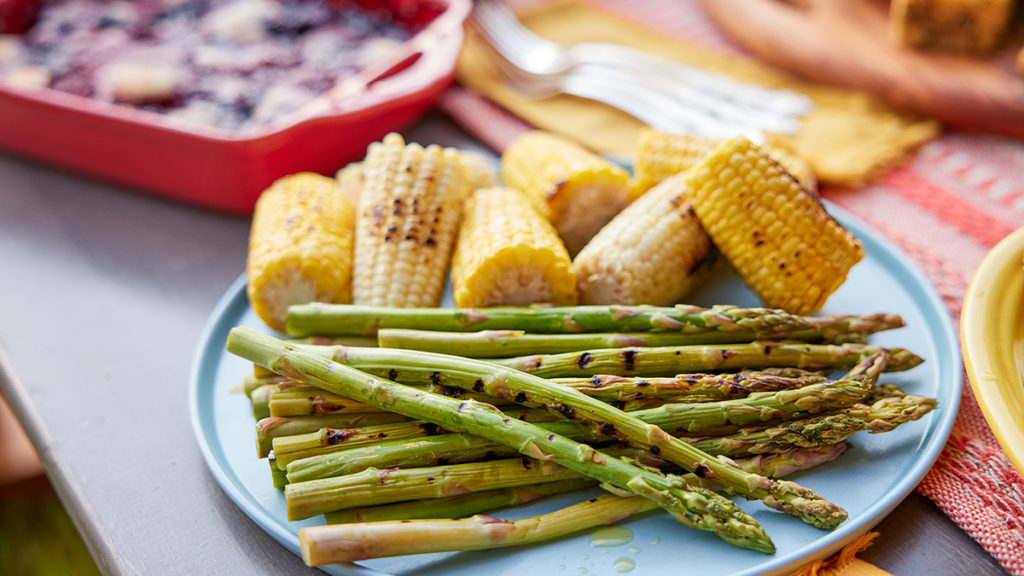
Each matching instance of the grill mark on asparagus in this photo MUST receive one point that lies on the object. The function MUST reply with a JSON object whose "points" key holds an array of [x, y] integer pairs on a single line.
{"points": [[337, 436], [628, 360]]}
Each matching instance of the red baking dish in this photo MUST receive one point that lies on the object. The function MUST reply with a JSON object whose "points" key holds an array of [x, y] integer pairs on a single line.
{"points": [[217, 169]]}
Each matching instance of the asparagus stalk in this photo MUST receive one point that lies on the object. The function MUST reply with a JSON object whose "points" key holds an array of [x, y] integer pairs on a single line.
{"points": [[720, 418], [455, 448], [319, 443], [693, 507], [506, 343], [270, 427], [478, 502], [762, 407], [433, 451], [426, 451], [606, 420], [882, 416], [279, 478], [261, 395], [685, 387], [888, 413], [324, 441], [312, 401], [676, 359], [459, 506], [337, 320], [758, 408], [335, 543], [344, 319], [252, 382], [373, 486], [755, 409], [712, 417]]}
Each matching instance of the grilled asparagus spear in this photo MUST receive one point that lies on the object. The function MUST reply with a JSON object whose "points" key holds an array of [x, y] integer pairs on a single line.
{"points": [[695, 507], [323, 319], [606, 420], [350, 542], [675, 359]]}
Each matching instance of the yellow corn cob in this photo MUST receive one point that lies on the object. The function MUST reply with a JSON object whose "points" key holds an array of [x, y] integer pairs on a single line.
{"points": [[660, 155], [777, 235], [795, 165], [300, 246], [480, 170], [653, 252], [350, 180], [409, 213], [508, 254], [579, 192]]}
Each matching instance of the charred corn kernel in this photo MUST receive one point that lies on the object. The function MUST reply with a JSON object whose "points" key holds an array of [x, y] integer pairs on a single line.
{"points": [[777, 235], [350, 180], [578, 191], [300, 246], [660, 155], [653, 252], [480, 170], [508, 254], [408, 216]]}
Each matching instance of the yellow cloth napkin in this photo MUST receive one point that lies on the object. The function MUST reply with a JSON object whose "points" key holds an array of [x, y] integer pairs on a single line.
{"points": [[848, 139], [845, 562]]}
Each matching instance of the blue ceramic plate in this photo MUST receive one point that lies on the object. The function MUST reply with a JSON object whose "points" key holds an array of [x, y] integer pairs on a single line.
{"points": [[869, 480]]}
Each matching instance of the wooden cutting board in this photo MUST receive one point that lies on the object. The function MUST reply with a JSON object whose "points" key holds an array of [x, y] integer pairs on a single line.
{"points": [[846, 43]]}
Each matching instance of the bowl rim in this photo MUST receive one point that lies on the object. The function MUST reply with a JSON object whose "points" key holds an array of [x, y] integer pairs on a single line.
{"points": [[992, 339]]}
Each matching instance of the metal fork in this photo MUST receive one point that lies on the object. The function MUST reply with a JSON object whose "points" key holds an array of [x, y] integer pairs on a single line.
{"points": [[714, 106], [612, 86]]}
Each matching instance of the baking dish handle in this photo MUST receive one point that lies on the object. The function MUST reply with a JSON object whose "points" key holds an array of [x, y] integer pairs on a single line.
{"points": [[429, 59]]}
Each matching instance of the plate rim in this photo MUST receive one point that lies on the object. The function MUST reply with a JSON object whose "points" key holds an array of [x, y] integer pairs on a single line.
{"points": [[1002, 261], [935, 314]]}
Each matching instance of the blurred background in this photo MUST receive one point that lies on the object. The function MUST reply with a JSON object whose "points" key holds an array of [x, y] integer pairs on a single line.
{"points": [[36, 534]]}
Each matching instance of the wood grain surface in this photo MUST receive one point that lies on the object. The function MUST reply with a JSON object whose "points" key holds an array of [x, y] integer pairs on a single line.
{"points": [[846, 43]]}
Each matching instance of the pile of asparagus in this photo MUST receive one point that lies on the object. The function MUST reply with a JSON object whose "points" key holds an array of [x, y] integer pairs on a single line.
{"points": [[462, 412]]}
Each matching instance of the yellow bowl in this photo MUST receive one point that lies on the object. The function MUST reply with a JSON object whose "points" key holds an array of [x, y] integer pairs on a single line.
{"points": [[992, 337]]}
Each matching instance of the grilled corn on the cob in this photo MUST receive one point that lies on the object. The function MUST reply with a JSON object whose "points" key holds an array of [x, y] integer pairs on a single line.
{"points": [[660, 155], [777, 235], [409, 212], [578, 191], [350, 180], [480, 171], [300, 246], [508, 254], [653, 252]]}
